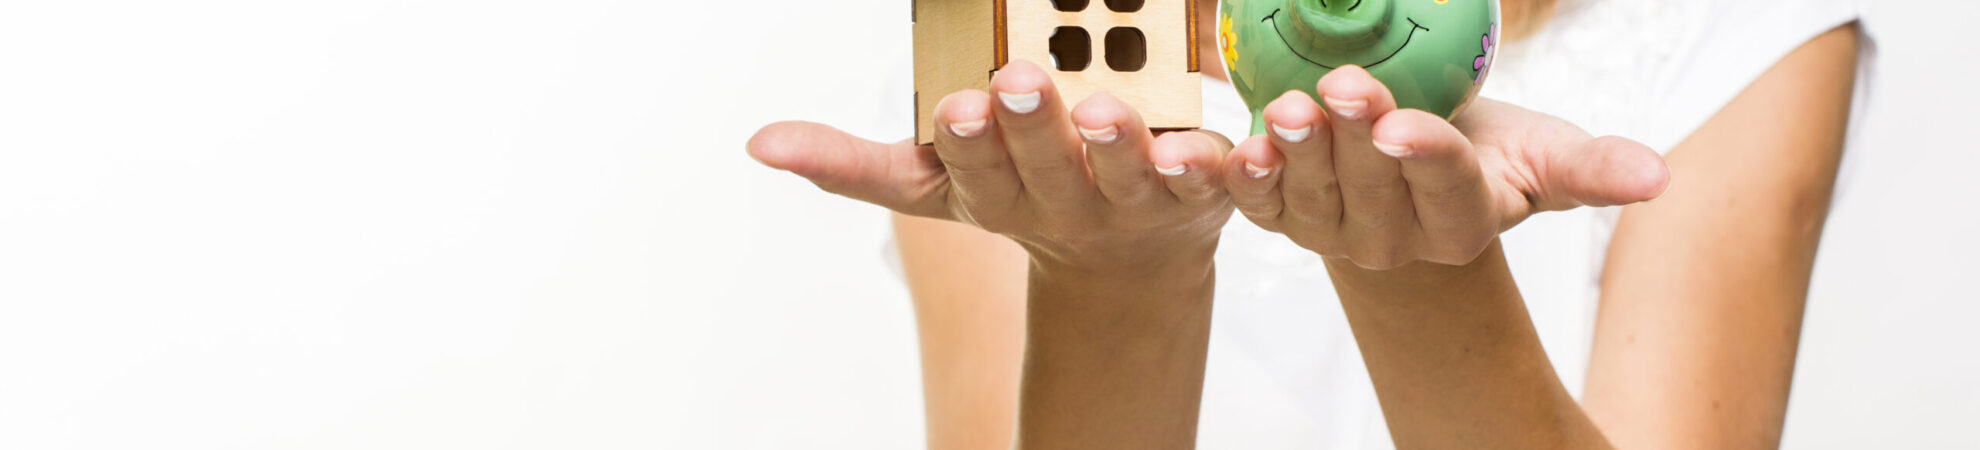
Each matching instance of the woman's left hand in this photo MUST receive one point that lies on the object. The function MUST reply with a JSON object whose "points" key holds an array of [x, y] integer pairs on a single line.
{"points": [[1383, 187]]}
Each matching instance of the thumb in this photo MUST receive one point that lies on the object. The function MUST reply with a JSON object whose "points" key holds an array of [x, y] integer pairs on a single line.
{"points": [[1606, 171], [902, 177]]}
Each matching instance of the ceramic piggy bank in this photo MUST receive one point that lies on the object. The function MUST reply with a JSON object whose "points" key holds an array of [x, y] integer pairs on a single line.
{"points": [[1432, 54]]}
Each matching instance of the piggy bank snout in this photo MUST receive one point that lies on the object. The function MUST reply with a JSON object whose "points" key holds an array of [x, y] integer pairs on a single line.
{"points": [[1330, 26]]}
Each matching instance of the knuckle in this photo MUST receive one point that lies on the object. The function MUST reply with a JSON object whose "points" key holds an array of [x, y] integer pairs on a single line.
{"points": [[1322, 194], [1259, 207], [1442, 193], [1315, 205], [1318, 221], [1195, 191], [1377, 220], [1048, 163], [1369, 187], [1130, 196], [1445, 194], [956, 164], [1264, 219]]}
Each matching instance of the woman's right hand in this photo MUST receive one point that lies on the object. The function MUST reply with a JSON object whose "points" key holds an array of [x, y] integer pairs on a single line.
{"points": [[1381, 187], [1089, 189]]}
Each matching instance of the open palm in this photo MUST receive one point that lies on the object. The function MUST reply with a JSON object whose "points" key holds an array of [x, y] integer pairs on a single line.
{"points": [[1383, 187]]}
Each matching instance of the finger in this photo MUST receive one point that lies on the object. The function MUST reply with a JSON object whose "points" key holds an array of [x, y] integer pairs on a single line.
{"points": [[1038, 132], [1252, 174], [1376, 205], [967, 142], [1117, 149], [1455, 210], [902, 177], [1606, 171], [1300, 131], [1191, 165]]}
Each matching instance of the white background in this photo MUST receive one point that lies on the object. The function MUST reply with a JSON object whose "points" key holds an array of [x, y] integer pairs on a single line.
{"points": [[422, 224]]}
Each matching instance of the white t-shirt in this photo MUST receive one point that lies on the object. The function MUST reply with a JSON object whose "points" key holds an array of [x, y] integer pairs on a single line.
{"points": [[1284, 371]]}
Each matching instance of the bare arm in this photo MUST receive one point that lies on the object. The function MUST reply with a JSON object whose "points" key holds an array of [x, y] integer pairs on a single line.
{"points": [[968, 287], [970, 293], [1455, 358], [1703, 297], [1704, 288], [1116, 225]]}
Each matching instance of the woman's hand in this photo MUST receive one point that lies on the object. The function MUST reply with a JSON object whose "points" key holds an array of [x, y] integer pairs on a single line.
{"points": [[1121, 226], [1089, 189], [1383, 187]]}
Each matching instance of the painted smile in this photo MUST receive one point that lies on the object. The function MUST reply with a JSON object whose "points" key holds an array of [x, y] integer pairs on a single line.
{"points": [[1414, 27]]}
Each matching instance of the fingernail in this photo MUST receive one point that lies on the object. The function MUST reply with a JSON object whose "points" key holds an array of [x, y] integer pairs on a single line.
{"points": [[1172, 171], [1257, 172], [1347, 109], [1020, 103], [1101, 136], [967, 129], [1392, 149], [1293, 135]]}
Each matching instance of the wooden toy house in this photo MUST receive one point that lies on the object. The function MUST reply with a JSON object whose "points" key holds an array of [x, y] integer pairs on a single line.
{"points": [[1141, 51]]}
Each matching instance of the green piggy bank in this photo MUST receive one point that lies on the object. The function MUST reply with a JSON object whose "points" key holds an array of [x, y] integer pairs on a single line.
{"points": [[1432, 54]]}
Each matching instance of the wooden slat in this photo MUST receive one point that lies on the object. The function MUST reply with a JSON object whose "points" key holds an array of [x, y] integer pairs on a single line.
{"points": [[960, 43], [1166, 91], [1190, 18], [953, 50]]}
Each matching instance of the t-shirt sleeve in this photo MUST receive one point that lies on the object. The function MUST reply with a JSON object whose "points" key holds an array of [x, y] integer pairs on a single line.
{"points": [[1737, 41]]}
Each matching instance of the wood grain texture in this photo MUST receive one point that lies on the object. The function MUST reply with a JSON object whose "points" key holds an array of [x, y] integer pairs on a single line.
{"points": [[953, 51], [1165, 91], [960, 43]]}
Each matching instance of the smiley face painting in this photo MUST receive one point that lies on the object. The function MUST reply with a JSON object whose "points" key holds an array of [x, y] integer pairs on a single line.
{"points": [[1432, 54]]}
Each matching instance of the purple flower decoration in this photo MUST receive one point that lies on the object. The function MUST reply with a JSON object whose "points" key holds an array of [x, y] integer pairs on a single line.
{"points": [[1478, 64]]}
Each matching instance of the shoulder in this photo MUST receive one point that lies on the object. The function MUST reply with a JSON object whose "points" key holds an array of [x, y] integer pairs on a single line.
{"points": [[1733, 43], [1655, 71]]}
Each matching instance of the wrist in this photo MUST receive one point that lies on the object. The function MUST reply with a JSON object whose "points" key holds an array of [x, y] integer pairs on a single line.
{"points": [[1420, 280], [1124, 261], [1121, 289], [1115, 351]]}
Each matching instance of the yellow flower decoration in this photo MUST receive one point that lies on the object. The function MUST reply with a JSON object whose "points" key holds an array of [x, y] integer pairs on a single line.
{"points": [[1229, 41]]}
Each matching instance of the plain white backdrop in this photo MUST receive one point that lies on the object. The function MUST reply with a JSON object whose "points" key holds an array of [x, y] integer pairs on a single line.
{"points": [[418, 224]]}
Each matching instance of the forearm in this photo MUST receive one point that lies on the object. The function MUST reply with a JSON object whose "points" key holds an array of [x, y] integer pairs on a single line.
{"points": [[968, 287], [1455, 359], [1115, 360]]}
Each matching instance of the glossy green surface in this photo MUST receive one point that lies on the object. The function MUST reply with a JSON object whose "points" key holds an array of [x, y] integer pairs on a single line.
{"points": [[1432, 54]]}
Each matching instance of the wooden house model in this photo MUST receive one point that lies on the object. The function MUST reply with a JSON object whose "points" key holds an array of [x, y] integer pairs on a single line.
{"points": [[1142, 51]]}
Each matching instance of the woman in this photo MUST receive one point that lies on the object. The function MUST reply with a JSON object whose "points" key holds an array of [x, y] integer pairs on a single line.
{"points": [[1084, 312]]}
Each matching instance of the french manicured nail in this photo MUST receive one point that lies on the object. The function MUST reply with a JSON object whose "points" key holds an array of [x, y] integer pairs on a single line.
{"points": [[1255, 171], [1019, 103], [1394, 150], [1293, 135], [967, 129], [1172, 171], [1347, 109], [1101, 136]]}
